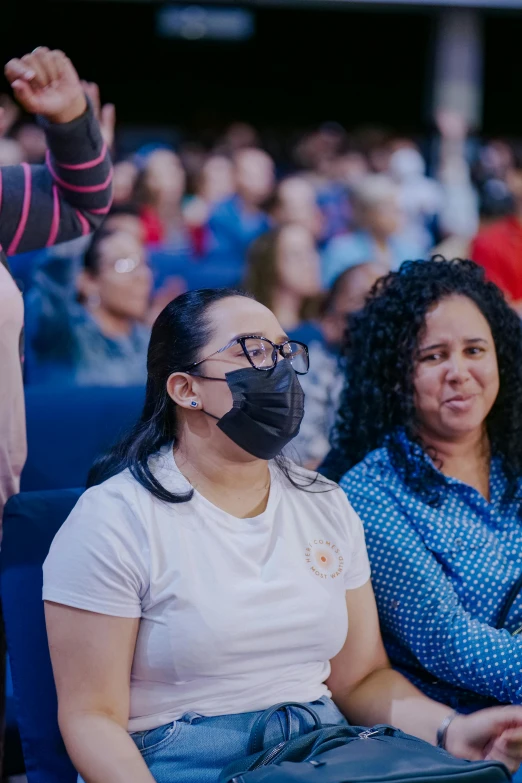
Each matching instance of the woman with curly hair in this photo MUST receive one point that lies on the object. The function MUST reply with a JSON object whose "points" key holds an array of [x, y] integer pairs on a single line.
{"points": [[429, 446]]}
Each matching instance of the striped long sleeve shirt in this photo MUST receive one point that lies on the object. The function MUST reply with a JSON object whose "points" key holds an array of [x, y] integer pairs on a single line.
{"points": [[67, 197], [41, 206]]}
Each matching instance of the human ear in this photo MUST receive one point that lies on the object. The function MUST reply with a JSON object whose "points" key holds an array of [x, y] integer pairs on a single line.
{"points": [[180, 389]]}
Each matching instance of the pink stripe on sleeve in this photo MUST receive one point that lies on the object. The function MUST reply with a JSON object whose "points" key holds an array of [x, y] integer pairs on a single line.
{"points": [[86, 229], [90, 164], [25, 210], [100, 210], [78, 188], [55, 225]]}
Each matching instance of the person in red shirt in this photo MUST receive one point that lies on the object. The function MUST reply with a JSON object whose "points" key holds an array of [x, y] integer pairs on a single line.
{"points": [[498, 246]]}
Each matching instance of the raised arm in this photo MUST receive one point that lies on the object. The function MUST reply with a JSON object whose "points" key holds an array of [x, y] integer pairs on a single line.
{"points": [[459, 214], [69, 196]]}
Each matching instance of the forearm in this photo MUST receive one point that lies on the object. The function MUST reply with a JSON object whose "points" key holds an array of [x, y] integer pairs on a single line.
{"points": [[453, 166], [80, 165], [101, 750], [45, 205], [385, 696]]}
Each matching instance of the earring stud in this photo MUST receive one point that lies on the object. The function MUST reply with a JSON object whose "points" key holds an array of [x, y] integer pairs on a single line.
{"points": [[194, 404]]}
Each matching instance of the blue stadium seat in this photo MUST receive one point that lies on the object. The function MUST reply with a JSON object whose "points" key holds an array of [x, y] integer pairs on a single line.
{"points": [[68, 428], [212, 271], [31, 520]]}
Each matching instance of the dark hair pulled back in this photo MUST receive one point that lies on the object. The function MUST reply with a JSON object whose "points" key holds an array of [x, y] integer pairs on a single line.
{"points": [[179, 334]]}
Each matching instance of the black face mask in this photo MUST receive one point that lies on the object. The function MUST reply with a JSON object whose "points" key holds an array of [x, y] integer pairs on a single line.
{"points": [[268, 407]]}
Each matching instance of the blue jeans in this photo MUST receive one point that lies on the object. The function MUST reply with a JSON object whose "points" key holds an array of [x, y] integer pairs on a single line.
{"points": [[195, 749]]}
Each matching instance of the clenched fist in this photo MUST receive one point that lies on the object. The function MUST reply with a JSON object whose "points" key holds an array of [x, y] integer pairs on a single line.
{"points": [[45, 82]]}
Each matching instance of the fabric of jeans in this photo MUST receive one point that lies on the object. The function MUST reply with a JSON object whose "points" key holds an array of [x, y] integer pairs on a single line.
{"points": [[195, 749]]}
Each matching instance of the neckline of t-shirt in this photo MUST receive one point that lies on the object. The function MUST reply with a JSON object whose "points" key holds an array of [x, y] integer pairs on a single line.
{"points": [[220, 513]]}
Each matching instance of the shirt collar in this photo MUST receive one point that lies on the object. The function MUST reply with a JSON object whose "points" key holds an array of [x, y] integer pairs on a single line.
{"points": [[498, 478]]}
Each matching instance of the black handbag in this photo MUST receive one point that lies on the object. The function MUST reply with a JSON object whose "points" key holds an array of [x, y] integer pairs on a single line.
{"points": [[353, 754]]}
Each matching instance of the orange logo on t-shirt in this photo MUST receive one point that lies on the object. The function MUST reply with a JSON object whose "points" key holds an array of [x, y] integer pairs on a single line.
{"points": [[324, 558]]}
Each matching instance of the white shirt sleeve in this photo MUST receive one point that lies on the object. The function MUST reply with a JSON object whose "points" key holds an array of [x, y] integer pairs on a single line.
{"points": [[99, 559], [358, 569]]}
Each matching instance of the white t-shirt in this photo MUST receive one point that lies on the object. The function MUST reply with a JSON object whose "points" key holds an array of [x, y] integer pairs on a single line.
{"points": [[236, 614]]}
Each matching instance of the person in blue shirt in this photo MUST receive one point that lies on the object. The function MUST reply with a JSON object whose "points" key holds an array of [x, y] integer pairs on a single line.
{"points": [[237, 221], [429, 447], [94, 335], [380, 236]]}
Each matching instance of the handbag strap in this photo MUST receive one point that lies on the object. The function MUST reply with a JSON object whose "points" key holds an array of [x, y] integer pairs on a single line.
{"points": [[508, 603], [257, 735]]}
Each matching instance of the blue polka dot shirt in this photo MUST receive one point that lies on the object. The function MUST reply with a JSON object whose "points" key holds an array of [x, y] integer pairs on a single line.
{"points": [[441, 575]]}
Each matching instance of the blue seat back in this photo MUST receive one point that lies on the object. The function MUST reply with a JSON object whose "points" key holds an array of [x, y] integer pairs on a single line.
{"points": [[67, 428], [31, 520], [212, 271]]}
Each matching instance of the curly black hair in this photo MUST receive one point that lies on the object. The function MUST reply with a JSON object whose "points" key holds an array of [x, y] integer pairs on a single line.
{"points": [[381, 340]]}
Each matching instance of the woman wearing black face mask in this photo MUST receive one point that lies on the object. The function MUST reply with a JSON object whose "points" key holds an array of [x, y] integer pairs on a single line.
{"points": [[199, 584]]}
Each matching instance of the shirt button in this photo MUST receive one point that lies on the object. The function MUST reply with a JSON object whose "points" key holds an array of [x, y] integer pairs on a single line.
{"points": [[458, 543]]}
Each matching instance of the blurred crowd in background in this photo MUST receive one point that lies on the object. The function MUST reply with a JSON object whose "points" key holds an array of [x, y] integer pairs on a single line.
{"points": [[307, 231]]}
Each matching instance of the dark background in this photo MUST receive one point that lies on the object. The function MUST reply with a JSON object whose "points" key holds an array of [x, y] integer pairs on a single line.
{"points": [[303, 66]]}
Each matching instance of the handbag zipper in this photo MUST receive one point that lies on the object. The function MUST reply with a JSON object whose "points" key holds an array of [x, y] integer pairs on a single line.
{"points": [[268, 759], [270, 756], [369, 733]]}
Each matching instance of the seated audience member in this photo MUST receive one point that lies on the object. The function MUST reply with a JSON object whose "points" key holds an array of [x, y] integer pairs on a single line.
{"points": [[214, 184], [430, 431], [498, 247], [348, 170], [99, 339], [160, 189], [420, 196], [126, 218], [445, 208], [488, 192], [380, 237], [237, 221], [318, 153], [283, 273], [124, 181], [31, 138], [295, 201], [47, 84], [161, 665], [60, 266], [323, 384]]}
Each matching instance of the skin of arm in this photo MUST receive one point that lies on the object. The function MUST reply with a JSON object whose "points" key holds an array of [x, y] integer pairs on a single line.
{"points": [[92, 658]]}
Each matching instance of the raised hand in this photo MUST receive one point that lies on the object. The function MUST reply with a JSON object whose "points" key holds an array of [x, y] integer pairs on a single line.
{"points": [[45, 82], [106, 114], [452, 124]]}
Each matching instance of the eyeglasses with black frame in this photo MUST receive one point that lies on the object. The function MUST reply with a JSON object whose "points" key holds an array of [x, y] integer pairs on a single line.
{"points": [[262, 353]]}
